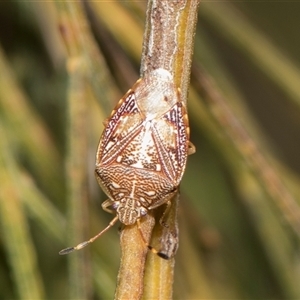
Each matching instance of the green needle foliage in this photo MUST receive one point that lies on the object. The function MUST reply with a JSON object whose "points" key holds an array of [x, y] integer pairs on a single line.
{"points": [[62, 70]]}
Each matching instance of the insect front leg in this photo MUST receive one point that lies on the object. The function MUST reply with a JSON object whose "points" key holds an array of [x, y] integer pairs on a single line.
{"points": [[106, 204]]}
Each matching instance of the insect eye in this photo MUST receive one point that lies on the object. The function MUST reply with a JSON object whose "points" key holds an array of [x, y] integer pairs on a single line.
{"points": [[115, 205], [143, 211]]}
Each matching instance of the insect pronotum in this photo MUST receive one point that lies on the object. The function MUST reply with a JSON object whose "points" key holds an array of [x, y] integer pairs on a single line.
{"points": [[143, 151]]}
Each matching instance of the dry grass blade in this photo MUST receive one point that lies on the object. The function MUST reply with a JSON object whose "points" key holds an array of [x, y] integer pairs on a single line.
{"points": [[243, 35], [15, 229], [34, 139], [72, 21], [249, 150]]}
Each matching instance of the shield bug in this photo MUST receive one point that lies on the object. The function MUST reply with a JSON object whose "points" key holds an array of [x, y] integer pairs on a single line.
{"points": [[143, 150]]}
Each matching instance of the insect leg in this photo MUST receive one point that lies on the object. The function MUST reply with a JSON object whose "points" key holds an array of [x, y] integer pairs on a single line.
{"points": [[163, 218], [191, 148], [106, 204], [83, 244], [169, 237], [162, 255]]}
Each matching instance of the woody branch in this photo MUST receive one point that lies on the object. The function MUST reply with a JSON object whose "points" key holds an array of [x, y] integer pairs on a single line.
{"points": [[168, 44]]}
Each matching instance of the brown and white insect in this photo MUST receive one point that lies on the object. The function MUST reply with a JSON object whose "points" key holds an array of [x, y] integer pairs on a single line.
{"points": [[143, 150]]}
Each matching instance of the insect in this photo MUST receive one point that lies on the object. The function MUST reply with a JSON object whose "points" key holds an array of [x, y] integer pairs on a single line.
{"points": [[143, 150]]}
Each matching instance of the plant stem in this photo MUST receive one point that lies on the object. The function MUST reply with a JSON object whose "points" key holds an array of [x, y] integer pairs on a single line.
{"points": [[168, 44], [169, 39]]}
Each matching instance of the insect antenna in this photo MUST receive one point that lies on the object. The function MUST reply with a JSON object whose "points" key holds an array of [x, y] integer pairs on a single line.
{"points": [[83, 244], [152, 249]]}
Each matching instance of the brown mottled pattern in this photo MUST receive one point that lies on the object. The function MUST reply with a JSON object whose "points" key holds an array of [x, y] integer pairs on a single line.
{"points": [[143, 150]]}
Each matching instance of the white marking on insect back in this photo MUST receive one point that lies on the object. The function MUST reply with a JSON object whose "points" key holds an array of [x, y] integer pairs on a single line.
{"points": [[163, 73], [115, 185], [150, 193], [133, 189]]}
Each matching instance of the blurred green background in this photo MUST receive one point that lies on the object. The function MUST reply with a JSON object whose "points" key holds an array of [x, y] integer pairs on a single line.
{"points": [[238, 218]]}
